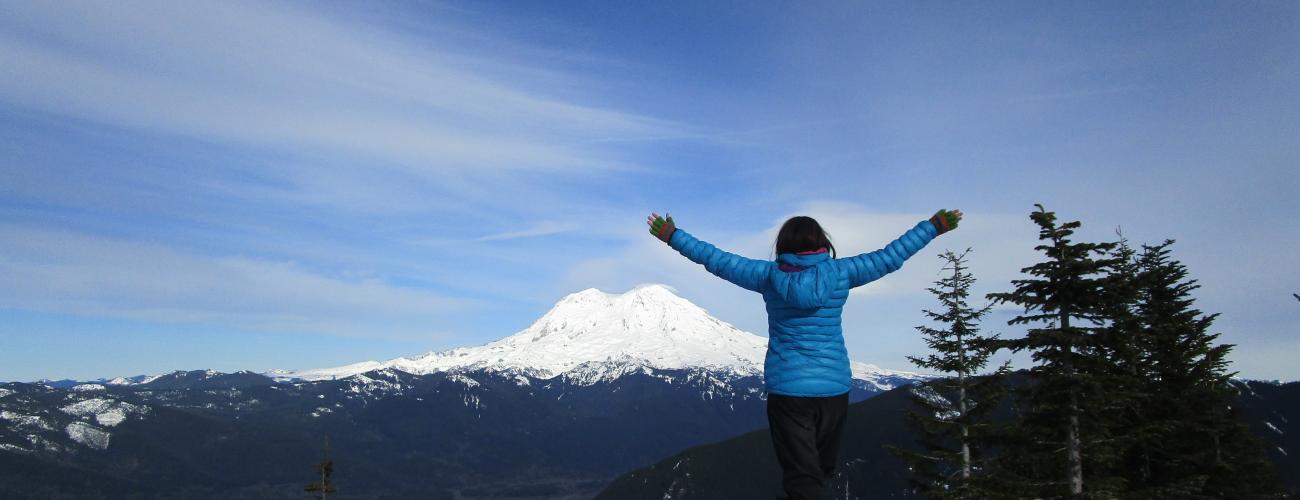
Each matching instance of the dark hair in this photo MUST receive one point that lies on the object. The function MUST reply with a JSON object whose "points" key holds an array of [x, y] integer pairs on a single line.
{"points": [[802, 234]]}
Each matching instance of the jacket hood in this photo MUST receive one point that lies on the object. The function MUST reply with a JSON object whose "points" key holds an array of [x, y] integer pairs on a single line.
{"points": [[808, 288]]}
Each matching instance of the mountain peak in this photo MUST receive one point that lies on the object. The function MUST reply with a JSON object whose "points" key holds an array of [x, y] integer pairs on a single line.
{"points": [[649, 323], [648, 292], [590, 295], [654, 290]]}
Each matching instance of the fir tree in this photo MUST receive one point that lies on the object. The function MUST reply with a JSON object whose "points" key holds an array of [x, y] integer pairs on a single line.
{"points": [[952, 422], [1064, 302], [1194, 444], [1124, 342]]}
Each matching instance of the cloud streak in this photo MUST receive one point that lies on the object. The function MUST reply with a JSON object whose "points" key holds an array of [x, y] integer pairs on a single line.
{"points": [[268, 76], [546, 228], [65, 272]]}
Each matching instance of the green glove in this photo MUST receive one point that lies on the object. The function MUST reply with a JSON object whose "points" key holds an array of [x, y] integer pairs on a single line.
{"points": [[945, 220], [660, 227]]}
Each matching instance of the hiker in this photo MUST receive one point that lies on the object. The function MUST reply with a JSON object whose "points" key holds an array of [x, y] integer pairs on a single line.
{"points": [[806, 372]]}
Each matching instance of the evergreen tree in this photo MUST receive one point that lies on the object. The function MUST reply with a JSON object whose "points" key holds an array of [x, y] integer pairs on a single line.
{"points": [[1197, 446], [1058, 438], [1124, 342], [952, 417]]}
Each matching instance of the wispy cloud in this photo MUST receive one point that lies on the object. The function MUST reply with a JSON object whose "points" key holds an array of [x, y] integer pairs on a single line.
{"points": [[269, 76], [66, 272], [546, 228], [263, 146]]}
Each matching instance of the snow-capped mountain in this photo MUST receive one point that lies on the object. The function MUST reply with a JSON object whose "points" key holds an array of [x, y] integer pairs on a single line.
{"points": [[649, 326]]}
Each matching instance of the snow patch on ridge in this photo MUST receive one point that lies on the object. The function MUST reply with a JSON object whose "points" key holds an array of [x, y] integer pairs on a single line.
{"points": [[106, 412], [88, 435], [13, 448], [463, 380], [881, 379], [25, 422], [136, 380]]}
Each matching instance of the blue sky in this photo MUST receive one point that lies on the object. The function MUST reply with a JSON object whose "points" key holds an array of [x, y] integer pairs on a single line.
{"points": [[236, 185]]}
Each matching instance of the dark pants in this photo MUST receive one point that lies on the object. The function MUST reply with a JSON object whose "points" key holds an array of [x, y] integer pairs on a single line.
{"points": [[806, 434]]}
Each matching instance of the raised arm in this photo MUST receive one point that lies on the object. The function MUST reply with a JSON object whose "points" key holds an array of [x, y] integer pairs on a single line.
{"points": [[870, 266], [750, 274]]}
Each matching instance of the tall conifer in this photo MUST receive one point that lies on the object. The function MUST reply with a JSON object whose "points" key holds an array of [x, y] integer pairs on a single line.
{"points": [[1128, 375], [952, 415], [1064, 303], [1198, 447]]}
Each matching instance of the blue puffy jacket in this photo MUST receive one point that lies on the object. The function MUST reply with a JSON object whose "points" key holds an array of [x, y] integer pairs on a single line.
{"points": [[805, 348]]}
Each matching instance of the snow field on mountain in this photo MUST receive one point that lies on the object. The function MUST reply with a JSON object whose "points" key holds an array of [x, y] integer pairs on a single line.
{"points": [[591, 335], [88, 435], [106, 412]]}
